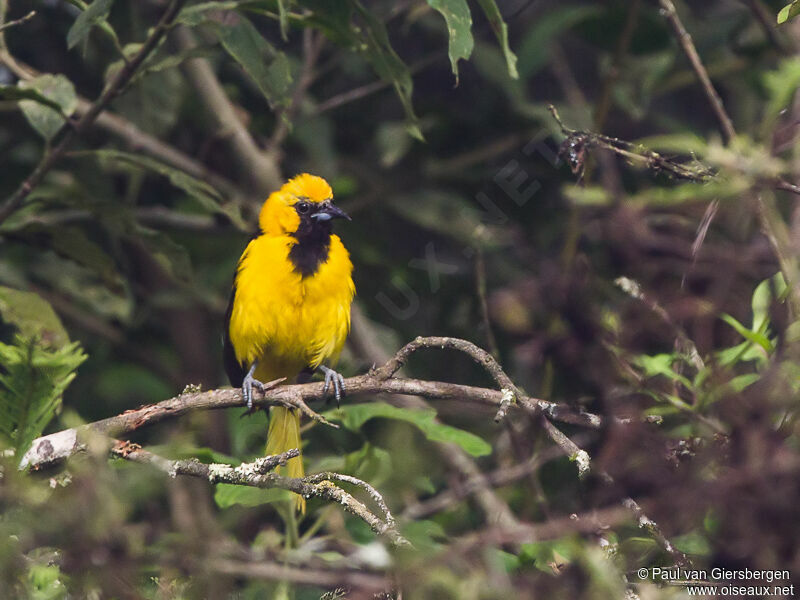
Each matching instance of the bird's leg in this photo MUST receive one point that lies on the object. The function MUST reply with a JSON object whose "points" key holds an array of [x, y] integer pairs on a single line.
{"points": [[247, 386], [335, 379]]}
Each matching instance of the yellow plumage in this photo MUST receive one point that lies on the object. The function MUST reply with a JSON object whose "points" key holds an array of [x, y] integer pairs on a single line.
{"points": [[290, 308]]}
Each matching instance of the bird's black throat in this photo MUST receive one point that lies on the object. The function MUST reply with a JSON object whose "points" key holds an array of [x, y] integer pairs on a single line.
{"points": [[312, 247]]}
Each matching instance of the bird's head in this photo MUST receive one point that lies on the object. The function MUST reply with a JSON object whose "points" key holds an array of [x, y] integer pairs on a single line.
{"points": [[303, 206]]}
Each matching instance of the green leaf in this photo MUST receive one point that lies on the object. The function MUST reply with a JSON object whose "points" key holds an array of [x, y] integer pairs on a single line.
{"points": [[534, 49], [32, 383], [459, 29], [389, 66], [206, 195], [11, 92], [95, 14], [763, 298], [157, 64], [268, 68], [72, 243], [684, 143], [661, 364], [354, 27], [781, 85], [425, 536], [744, 352], [790, 11], [355, 415], [543, 554], [32, 316], [172, 257], [283, 18], [46, 582], [45, 119], [393, 142], [753, 336], [741, 382], [226, 495], [197, 14], [501, 31], [692, 543]]}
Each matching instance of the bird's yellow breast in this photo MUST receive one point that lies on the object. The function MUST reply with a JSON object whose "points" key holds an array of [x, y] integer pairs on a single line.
{"points": [[284, 320]]}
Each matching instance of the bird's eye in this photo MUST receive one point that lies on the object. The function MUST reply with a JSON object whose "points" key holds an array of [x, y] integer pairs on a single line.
{"points": [[302, 207]]}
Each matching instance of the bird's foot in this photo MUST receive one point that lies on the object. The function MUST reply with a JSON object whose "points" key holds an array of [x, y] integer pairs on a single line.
{"points": [[332, 378], [247, 388]]}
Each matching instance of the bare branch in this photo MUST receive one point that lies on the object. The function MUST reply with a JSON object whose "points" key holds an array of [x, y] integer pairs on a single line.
{"points": [[578, 141], [498, 478], [583, 462], [61, 445], [654, 530], [302, 576], [15, 22], [479, 355], [258, 474], [494, 508], [581, 458], [353, 480]]}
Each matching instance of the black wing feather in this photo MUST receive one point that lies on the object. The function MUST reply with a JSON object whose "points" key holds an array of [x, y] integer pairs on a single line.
{"points": [[233, 367]]}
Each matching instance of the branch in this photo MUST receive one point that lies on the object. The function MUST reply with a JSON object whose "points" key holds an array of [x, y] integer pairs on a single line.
{"points": [[574, 148], [15, 22], [109, 93], [259, 167], [57, 446], [330, 476], [303, 576], [479, 355], [494, 508], [258, 474], [499, 478], [583, 462], [685, 40]]}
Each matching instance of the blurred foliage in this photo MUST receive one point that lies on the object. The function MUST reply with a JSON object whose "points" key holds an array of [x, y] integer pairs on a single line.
{"points": [[430, 120]]}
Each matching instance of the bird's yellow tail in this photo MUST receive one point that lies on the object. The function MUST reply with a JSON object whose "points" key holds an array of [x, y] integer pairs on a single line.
{"points": [[283, 435]]}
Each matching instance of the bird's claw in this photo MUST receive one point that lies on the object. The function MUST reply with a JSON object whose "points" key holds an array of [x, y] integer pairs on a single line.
{"points": [[247, 389], [332, 378]]}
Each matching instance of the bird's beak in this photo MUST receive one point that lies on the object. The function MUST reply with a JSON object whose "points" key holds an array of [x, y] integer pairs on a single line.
{"points": [[328, 211]]}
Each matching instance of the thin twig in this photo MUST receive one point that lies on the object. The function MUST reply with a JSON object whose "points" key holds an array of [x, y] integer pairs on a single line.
{"points": [[654, 530], [581, 458], [499, 478], [579, 140], [479, 355], [374, 494], [583, 462], [767, 22], [312, 45], [685, 40], [480, 288], [15, 22]]}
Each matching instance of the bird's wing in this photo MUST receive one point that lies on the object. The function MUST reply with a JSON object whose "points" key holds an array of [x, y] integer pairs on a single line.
{"points": [[233, 367]]}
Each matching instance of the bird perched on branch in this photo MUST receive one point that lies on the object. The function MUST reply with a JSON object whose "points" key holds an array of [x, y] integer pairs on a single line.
{"points": [[289, 310]]}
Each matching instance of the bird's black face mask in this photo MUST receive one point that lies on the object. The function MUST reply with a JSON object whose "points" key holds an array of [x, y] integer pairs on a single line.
{"points": [[313, 234]]}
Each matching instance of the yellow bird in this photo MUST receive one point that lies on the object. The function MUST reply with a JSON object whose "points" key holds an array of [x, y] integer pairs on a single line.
{"points": [[289, 309]]}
